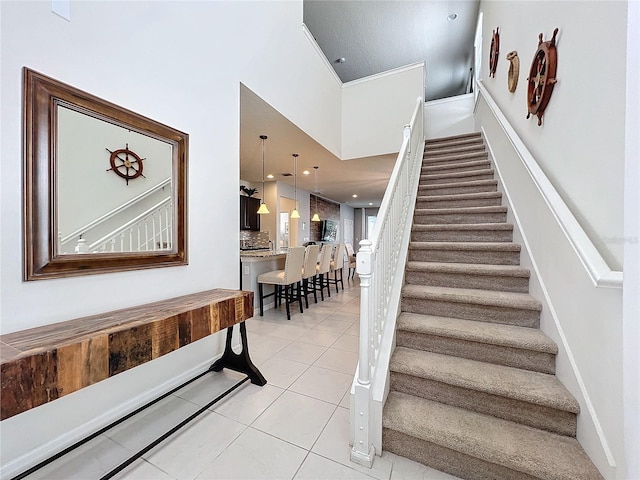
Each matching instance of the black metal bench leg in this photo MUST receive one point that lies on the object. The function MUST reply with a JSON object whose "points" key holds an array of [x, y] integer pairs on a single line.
{"points": [[239, 362]]}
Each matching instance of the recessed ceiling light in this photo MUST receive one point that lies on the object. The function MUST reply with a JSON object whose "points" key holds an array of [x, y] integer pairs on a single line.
{"points": [[341, 60], [305, 172], [270, 175], [370, 203], [452, 17], [354, 195]]}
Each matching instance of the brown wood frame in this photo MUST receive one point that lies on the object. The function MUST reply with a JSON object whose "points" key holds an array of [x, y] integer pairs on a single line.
{"points": [[41, 95]]}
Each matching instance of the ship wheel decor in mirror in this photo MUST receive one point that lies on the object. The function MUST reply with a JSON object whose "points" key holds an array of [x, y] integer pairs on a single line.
{"points": [[494, 53], [542, 76], [126, 163]]}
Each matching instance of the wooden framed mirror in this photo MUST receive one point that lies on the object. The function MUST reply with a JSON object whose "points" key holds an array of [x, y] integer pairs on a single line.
{"points": [[105, 189]]}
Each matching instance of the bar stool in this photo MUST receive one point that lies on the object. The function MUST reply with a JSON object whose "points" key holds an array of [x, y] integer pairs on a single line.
{"points": [[321, 280], [309, 271], [337, 265], [351, 255], [290, 278]]}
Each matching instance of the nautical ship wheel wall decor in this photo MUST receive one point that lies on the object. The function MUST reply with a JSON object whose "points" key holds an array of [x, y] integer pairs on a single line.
{"points": [[126, 163], [494, 53], [542, 76]]}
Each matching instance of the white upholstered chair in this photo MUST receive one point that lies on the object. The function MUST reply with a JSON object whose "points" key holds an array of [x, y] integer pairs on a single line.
{"points": [[290, 278], [351, 257], [321, 281], [337, 265], [309, 272]]}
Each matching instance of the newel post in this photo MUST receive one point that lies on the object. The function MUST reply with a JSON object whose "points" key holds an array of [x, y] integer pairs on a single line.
{"points": [[363, 451]]}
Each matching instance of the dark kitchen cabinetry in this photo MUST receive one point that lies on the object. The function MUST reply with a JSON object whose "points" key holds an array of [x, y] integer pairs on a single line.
{"points": [[249, 218]]}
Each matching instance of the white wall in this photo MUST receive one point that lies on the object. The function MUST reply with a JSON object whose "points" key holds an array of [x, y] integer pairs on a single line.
{"points": [[580, 146], [631, 306], [449, 116], [180, 64], [578, 154], [375, 110]]}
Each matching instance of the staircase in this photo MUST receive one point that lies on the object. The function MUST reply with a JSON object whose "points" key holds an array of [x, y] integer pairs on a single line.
{"points": [[473, 388]]}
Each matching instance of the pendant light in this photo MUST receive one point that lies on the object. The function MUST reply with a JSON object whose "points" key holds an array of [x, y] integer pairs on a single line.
{"points": [[316, 217], [295, 213], [263, 206]]}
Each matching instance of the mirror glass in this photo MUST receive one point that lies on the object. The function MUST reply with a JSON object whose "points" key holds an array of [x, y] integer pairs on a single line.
{"points": [[104, 187], [113, 187]]}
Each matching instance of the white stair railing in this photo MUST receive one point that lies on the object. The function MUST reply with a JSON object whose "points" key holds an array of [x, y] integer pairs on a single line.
{"points": [[151, 230], [68, 240], [380, 265]]}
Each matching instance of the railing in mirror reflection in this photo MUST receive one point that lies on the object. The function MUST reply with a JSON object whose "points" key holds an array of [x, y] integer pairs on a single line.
{"points": [[142, 224]]}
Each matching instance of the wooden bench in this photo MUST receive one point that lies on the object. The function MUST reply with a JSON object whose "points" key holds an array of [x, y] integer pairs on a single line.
{"points": [[42, 364]]}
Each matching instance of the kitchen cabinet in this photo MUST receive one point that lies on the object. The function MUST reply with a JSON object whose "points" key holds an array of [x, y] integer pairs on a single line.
{"points": [[249, 218]]}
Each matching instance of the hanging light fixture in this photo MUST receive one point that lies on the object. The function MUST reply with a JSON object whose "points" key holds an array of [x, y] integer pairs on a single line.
{"points": [[263, 206], [295, 213], [316, 217]]}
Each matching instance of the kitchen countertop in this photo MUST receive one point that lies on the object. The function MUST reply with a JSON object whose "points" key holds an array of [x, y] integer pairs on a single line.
{"points": [[257, 254]]}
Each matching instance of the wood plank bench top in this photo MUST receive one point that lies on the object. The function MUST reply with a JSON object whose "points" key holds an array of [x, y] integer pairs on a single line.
{"points": [[41, 364]]}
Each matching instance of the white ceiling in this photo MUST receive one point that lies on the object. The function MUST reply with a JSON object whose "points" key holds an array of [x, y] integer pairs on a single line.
{"points": [[376, 36], [373, 36]]}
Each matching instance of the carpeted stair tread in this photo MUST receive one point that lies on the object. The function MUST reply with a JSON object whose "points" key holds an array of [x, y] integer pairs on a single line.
{"points": [[432, 158], [471, 183], [456, 149], [469, 269], [426, 178], [459, 196], [482, 246], [490, 298], [534, 452], [480, 164], [478, 331], [473, 136], [514, 383], [454, 210], [463, 227]]}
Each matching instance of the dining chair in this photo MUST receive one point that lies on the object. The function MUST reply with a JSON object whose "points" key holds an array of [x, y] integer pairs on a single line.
{"points": [[351, 256], [309, 272], [337, 265], [290, 278], [321, 280]]}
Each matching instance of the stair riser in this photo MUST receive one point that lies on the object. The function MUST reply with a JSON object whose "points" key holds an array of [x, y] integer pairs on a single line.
{"points": [[465, 256], [427, 180], [462, 236], [462, 280], [472, 166], [445, 459], [496, 354], [469, 311], [536, 416], [431, 159], [459, 203], [444, 190], [458, 218]]}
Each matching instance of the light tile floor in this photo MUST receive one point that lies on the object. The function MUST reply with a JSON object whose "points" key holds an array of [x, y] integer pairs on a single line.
{"points": [[295, 427]]}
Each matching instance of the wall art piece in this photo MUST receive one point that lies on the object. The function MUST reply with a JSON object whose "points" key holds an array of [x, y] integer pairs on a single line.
{"points": [[514, 70], [494, 53], [542, 76]]}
